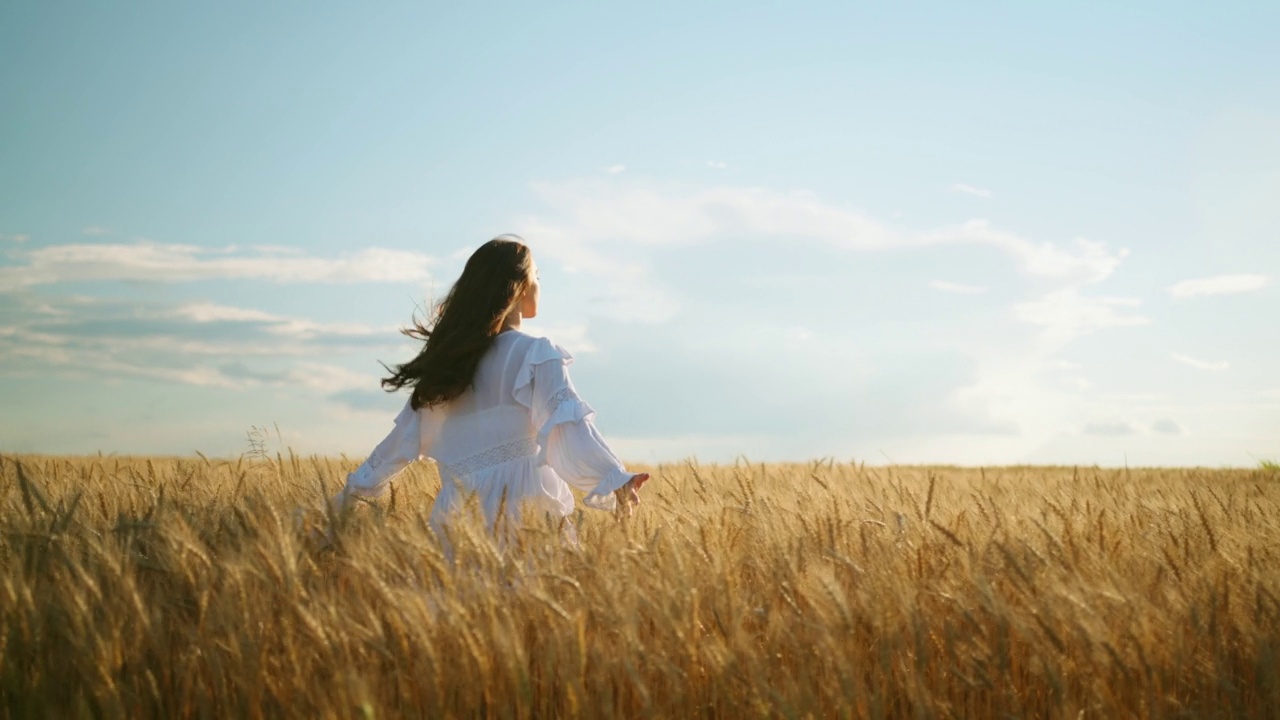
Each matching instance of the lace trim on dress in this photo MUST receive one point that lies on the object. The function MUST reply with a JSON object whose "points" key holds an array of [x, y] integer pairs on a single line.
{"points": [[562, 406], [560, 397], [514, 450]]}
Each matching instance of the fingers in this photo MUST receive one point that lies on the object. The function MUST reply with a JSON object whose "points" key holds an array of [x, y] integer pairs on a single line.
{"points": [[626, 502], [623, 509], [628, 496]]}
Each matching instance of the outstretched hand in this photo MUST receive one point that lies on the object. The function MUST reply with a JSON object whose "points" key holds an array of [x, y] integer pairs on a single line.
{"points": [[629, 495]]}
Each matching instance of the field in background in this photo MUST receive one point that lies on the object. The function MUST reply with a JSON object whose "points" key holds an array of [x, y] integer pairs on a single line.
{"points": [[183, 588]]}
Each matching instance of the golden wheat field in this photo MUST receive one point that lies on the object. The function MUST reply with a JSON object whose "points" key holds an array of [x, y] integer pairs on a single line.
{"points": [[177, 588]]}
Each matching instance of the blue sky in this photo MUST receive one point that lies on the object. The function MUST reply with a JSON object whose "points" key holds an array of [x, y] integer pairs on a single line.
{"points": [[988, 233]]}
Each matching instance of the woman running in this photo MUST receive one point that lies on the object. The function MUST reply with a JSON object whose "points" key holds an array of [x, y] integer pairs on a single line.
{"points": [[494, 407]]}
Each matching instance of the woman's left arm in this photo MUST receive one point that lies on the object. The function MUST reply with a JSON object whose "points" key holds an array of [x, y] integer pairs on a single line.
{"points": [[579, 455], [570, 442]]}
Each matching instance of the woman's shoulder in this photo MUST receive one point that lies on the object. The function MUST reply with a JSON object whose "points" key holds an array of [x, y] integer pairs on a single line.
{"points": [[538, 349]]}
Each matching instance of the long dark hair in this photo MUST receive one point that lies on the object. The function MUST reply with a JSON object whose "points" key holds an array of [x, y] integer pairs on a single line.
{"points": [[465, 323]]}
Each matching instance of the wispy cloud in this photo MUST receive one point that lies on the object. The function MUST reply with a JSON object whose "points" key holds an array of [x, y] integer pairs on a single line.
{"points": [[202, 344], [1214, 366], [96, 230], [586, 218], [957, 288], [1086, 261], [969, 190], [1165, 426], [18, 238], [1110, 428], [612, 230], [159, 262], [582, 215], [1218, 285], [616, 169], [1066, 314], [276, 325], [716, 164]]}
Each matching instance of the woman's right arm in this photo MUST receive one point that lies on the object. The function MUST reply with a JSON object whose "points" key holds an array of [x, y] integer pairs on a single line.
{"points": [[401, 447]]}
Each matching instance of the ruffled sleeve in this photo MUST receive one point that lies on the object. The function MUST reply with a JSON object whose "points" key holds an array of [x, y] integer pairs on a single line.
{"points": [[401, 447], [568, 440]]}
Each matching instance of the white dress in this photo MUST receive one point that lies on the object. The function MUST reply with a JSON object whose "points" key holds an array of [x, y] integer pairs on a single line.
{"points": [[517, 439]]}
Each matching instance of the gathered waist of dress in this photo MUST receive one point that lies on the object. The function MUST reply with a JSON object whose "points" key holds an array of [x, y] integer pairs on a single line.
{"points": [[525, 447]]}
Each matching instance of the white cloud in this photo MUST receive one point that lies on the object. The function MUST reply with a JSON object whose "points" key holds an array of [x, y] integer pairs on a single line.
{"points": [[19, 238], [587, 215], [201, 344], [588, 218], [1212, 366], [1218, 285], [319, 377], [616, 169], [96, 230], [606, 230], [969, 190], [1088, 261], [1024, 381], [957, 288], [326, 378], [1066, 314], [104, 366], [716, 164], [276, 325], [159, 262], [609, 230], [205, 312]]}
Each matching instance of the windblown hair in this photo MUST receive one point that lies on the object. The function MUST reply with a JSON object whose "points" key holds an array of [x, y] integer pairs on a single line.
{"points": [[465, 323]]}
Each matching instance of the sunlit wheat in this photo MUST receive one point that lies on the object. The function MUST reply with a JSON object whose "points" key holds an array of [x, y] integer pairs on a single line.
{"points": [[149, 587]]}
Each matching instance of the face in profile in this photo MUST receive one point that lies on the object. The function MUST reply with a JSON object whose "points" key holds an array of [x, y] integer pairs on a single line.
{"points": [[529, 301]]}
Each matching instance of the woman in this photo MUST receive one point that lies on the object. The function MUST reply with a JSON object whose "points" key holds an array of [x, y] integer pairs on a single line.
{"points": [[494, 407]]}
